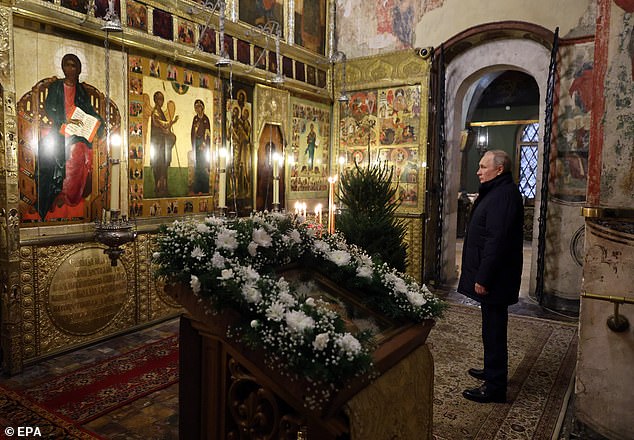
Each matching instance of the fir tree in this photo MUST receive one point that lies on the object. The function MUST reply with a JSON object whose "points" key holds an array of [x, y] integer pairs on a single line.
{"points": [[369, 219]]}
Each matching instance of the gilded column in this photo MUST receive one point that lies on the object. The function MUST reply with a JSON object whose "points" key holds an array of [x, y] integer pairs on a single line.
{"points": [[10, 291]]}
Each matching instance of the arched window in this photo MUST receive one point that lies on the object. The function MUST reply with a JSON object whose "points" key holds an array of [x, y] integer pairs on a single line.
{"points": [[527, 149]]}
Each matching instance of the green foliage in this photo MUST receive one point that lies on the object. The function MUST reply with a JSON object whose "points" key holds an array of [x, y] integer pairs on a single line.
{"points": [[369, 219]]}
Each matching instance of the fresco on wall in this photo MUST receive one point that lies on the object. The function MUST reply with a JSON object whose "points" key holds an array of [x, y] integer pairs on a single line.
{"points": [[617, 174], [61, 132], [310, 25], [239, 129], [171, 138], [390, 24], [309, 157], [384, 126], [569, 174]]}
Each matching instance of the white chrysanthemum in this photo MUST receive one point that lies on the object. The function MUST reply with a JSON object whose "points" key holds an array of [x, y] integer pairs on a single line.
{"points": [[252, 248], [279, 216], [322, 246], [365, 260], [275, 311], [286, 298], [198, 253], [364, 271], [226, 274], [321, 341], [299, 321], [250, 273], [203, 228], [218, 261], [214, 221], [227, 239], [400, 286], [261, 237], [349, 344], [391, 278], [251, 293], [416, 298], [295, 236], [340, 258], [283, 285], [194, 283]]}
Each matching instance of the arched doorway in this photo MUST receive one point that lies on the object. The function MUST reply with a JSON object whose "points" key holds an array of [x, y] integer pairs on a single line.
{"points": [[502, 115], [467, 72], [270, 170]]}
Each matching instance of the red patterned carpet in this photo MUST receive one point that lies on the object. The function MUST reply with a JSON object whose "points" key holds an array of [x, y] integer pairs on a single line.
{"points": [[87, 393], [18, 411]]}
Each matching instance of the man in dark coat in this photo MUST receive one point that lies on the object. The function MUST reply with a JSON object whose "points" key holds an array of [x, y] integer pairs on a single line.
{"points": [[492, 268]]}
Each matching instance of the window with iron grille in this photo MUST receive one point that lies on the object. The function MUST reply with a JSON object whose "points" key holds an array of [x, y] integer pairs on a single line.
{"points": [[528, 153]]}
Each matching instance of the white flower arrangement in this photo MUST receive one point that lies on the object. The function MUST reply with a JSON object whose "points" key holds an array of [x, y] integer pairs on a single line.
{"points": [[232, 263]]}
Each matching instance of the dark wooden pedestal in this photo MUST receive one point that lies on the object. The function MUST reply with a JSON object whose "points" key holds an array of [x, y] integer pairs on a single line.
{"points": [[228, 392]]}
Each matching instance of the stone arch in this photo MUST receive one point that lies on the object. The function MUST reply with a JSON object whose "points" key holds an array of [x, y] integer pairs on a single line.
{"points": [[463, 71]]}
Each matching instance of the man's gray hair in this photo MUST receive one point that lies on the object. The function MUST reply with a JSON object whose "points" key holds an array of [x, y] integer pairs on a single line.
{"points": [[501, 158]]}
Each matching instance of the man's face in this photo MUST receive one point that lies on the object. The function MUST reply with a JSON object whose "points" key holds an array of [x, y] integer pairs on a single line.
{"points": [[71, 69], [487, 170]]}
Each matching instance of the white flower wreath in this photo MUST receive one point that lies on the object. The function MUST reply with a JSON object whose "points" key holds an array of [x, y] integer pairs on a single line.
{"points": [[231, 263]]}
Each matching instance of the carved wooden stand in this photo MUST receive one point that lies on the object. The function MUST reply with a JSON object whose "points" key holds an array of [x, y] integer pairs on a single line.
{"points": [[228, 392]]}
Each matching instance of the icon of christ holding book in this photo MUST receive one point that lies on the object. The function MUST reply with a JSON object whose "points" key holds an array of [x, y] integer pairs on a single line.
{"points": [[65, 154]]}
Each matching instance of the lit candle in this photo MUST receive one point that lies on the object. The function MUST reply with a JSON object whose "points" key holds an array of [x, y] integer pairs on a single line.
{"points": [[331, 204], [318, 213], [222, 183], [276, 180], [115, 174], [304, 209], [297, 207]]}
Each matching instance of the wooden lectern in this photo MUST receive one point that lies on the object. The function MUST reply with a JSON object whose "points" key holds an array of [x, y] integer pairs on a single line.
{"points": [[228, 391]]}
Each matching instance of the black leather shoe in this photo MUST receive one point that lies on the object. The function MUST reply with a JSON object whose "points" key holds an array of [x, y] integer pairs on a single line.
{"points": [[483, 395], [478, 374]]}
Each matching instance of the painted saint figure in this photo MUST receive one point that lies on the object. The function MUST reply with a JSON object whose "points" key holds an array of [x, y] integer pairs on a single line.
{"points": [[65, 161], [201, 141], [311, 142], [240, 131], [162, 140]]}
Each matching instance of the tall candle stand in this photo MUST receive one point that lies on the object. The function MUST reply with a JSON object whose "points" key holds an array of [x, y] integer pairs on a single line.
{"points": [[113, 230]]}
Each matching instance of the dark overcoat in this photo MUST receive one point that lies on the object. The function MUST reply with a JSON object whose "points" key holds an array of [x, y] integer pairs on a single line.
{"points": [[492, 251]]}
